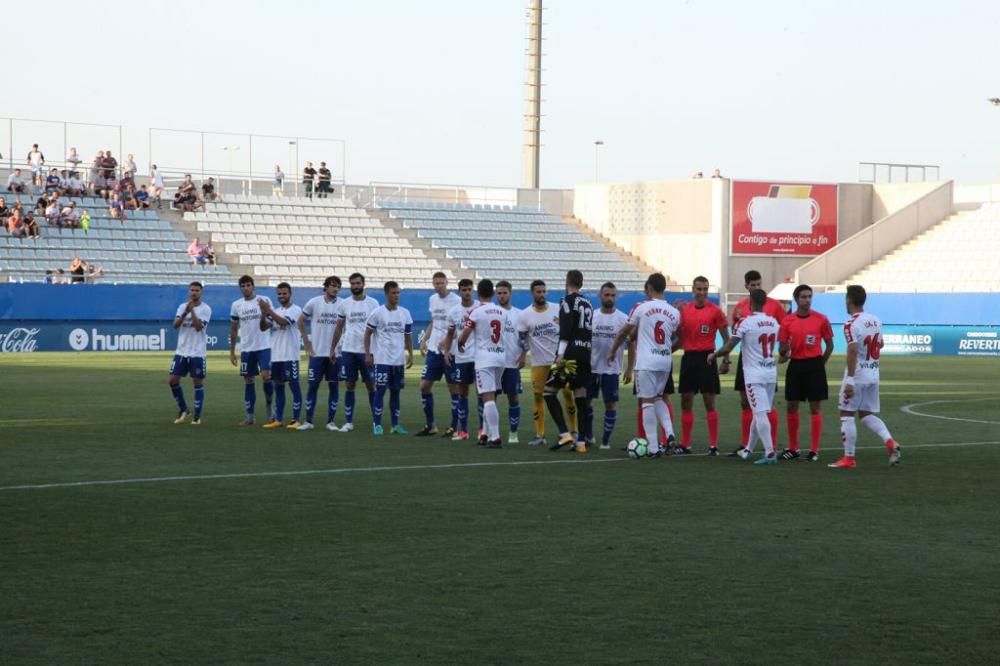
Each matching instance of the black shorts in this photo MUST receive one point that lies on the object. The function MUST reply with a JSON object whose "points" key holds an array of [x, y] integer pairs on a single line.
{"points": [[580, 380], [739, 386], [698, 375], [805, 380]]}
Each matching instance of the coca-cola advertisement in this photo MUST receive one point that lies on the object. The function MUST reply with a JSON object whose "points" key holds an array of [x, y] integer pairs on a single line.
{"points": [[19, 339]]}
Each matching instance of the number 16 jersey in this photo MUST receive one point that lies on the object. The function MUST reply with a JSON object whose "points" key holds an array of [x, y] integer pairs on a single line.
{"points": [[864, 330], [757, 334]]}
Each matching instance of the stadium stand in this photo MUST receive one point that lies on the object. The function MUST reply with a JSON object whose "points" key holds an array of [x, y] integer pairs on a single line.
{"points": [[957, 255], [145, 249], [513, 243], [302, 240]]}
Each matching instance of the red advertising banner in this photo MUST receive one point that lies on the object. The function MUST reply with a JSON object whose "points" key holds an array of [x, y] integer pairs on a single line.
{"points": [[782, 218]]}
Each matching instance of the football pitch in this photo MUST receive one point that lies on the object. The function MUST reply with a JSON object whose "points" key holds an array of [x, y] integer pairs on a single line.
{"points": [[126, 538]]}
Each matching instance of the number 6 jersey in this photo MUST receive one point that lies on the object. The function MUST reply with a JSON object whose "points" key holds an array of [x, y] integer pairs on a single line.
{"points": [[656, 321], [864, 330], [757, 334]]}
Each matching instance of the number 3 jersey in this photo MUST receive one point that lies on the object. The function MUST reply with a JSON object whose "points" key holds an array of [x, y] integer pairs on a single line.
{"points": [[758, 334], [488, 321], [864, 330]]}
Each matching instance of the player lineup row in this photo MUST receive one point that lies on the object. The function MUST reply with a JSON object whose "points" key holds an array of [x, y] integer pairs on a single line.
{"points": [[477, 337]]}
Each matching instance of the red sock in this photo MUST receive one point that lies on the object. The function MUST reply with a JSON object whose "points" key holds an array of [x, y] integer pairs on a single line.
{"points": [[746, 418], [817, 432], [712, 418], [687, 425], [792, 419], [772, 416], [640, 429]]}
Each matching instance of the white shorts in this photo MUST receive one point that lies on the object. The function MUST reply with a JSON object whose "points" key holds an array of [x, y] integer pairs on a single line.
{"points": [[865, 399], [651, 383], [761, 396], [488, 380]]}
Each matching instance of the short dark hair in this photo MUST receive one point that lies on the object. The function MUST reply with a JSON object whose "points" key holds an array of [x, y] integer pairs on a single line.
{"points": [[700, 278], [751, 276], [757, 299], [799, 289], [657, 282], [357, 276], [537, 283], [391, 284], [608, 285], [284, 285], [332, 280], [465, 282], [485, 288], [245, 279], [193, 284], [439, 274], [856, 294], [574, 278], [505, 284]]}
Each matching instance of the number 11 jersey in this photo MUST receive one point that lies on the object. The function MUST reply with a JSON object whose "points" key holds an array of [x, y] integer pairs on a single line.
{"points": [[757, 334]]}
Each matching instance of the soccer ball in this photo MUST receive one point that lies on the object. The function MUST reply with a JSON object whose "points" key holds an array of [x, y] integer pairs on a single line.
{"points": [[637, 448]]}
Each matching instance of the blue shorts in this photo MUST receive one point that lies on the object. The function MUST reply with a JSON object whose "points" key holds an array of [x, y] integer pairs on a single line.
{"points": [[389, 376], [463, 373], [285, 371], [434, 367], [252, 363], [510, 383], [321, 367], [603, 384], [182, 366], [353, 364]]}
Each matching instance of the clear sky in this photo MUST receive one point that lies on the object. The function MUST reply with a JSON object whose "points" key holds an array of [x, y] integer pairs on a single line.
{"points": [[432, 91]]}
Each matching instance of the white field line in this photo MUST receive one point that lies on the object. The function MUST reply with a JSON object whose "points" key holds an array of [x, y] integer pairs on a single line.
{"points": [[911, 409]]}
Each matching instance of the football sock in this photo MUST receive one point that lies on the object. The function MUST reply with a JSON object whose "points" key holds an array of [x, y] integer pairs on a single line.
{"points": [[394, 407], [334, 399], [178, 392], [712, 420], [571, 415], [479, 410], [772, 419], [199, 399], [588, 418], [296, 399], [762, 430], [463, 413], [746, 418], [349, 405], [377, 402], [687, 425], [371, 399], [877, 426], [649, 425], [454, 411], [492, 416], [670, 410], [249, 398], [581, 409], [312, 390], [848, 434], [514, 416], [556, 410], [792, 421], [816, 431], [279, 402], [427, 402], [640, 427], [268, 391], [662, 410], [539, 415], [610, 416]]}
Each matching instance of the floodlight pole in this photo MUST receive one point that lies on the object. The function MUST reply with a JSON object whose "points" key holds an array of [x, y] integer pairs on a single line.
{"points": [[533, 88]]}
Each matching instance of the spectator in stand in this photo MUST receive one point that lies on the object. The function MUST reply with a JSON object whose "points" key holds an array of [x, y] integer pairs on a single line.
{"points": [[110, 166], [75, 187], [42, 204], [127, 179], [69, 216], [128, 197], [96, 173], [93, 272], [35, 161], [128, 166], [77, 271], [278, 184], [208, 252], [15, 183], [15, 225], [53, 212], [156, 181], [31, 226], [208, 190], [195, 250], [50, 277], [142, 199], [117, 208], [73, 159], [4, 211], [716, 174], [85, 221], [308, 176], [53, 183], [186, 202], [324, 181], [60, 277]]}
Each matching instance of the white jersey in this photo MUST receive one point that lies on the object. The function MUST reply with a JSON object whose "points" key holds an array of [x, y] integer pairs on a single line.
{"points": [[758, 334], [355, 315], [247, 312], [322, 316], [286, 341], [543, 333], [390, 330], [440, 309], [657, 321], [606, 329], [189, 341], [864, 331], [456, 322], [511, 337], [487, 322]]}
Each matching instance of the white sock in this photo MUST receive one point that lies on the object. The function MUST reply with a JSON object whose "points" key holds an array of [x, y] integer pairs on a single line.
{"points": [[761, 427], [663, 416], [649, 425], [877, 426], [848, 434], [492, 417]]}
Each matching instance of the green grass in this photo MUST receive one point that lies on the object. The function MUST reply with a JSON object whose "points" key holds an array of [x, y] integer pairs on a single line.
{"points": [[695, 560]]}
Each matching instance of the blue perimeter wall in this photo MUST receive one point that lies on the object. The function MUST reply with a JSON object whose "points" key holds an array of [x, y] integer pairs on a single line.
{"points": [[37, 317]]}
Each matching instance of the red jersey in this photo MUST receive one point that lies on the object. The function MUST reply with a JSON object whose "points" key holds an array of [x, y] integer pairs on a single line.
{"points": [[772, 308], [699, 326], [804, 334]]}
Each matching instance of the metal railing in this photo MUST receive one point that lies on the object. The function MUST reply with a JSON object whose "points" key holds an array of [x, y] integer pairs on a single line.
{"points": [[440, 193], [872, 172]]}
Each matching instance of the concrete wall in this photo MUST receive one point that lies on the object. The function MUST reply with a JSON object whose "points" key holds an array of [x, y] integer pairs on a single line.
{"points": [[890, 197]]}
